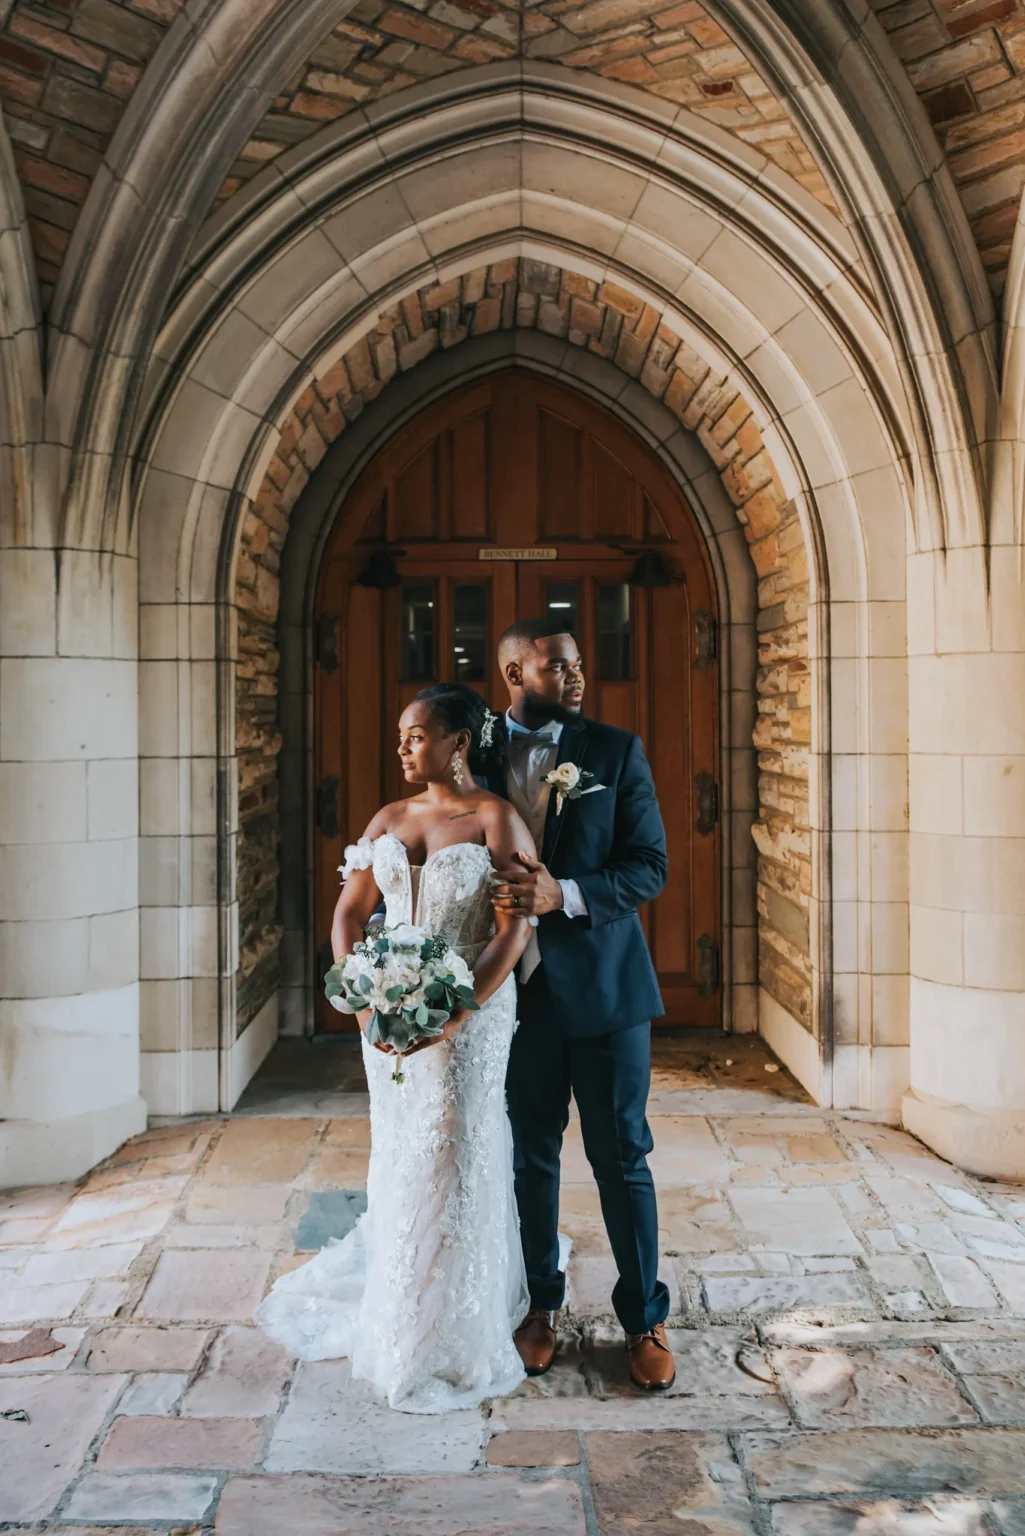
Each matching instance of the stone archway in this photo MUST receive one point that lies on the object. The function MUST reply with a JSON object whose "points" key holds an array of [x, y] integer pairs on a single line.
{"points": [[604, 321], [870, 370], [769, 298]]}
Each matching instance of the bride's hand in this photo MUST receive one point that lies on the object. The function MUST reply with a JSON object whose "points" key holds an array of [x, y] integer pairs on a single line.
{"points": [[364, 1024], [455, 1023], [453, 1027]]}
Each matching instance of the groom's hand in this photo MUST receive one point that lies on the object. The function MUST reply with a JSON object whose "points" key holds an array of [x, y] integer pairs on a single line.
{"points": [[527, 889]]}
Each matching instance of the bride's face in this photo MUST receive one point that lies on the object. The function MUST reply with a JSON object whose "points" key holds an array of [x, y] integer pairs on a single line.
{"points": [[426, 750]]}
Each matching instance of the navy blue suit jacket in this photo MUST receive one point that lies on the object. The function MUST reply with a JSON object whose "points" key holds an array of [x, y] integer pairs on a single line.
{"points": [[613, 844]]}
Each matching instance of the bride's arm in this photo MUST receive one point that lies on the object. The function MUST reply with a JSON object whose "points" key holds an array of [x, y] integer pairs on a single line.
{"points": [[354, 908], [507, 835], [358, 898]]}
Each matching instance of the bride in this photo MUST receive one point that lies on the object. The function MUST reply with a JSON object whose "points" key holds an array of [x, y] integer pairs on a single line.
{"points": [[424, 1294]]}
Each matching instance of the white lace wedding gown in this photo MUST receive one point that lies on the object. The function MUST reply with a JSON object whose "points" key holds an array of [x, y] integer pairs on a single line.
{"points": [[424, 1294]]}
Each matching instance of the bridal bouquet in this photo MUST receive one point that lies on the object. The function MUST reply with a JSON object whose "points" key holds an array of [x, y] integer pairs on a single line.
{"points": [[413, 980]]}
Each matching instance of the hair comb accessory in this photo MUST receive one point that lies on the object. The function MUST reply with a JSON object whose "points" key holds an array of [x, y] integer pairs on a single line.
{"points": [[487, 729]]}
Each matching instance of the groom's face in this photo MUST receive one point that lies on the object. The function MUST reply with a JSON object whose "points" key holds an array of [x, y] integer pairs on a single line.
{"points": [[553, 676]]}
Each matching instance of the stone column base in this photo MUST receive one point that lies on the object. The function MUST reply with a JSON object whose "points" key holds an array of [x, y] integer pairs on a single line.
{"points": [[990, 1142], [57, 1151]]}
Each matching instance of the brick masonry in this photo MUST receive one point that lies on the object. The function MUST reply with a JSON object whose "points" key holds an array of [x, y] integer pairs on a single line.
{"points": [[68, 69], [257, 744], [676, 51], [966, 60], [682, 55], [616, 325]]}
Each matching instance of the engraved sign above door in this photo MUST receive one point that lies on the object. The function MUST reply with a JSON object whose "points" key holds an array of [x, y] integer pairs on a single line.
{"points": [[438, 548]]}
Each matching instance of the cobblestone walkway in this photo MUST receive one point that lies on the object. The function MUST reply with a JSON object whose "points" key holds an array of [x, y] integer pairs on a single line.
{"points": [[848, 1315]]}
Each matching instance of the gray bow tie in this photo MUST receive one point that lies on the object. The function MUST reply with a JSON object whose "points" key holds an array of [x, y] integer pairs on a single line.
{"points": [[531, 738]]}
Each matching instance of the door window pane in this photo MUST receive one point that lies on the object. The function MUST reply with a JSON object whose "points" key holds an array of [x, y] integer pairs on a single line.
{"points": [[614, 632], [562, 603], [418, 631], [470, 631]]}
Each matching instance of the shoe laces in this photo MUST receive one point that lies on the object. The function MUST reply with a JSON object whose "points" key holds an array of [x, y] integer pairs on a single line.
{"points": [[654, 1335]]}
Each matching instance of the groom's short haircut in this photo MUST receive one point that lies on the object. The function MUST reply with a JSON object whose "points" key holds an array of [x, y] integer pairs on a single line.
{"points": [[524, 635]]}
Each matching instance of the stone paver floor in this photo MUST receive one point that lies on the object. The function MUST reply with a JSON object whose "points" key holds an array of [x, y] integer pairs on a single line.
{"points": [[848, 1315]]}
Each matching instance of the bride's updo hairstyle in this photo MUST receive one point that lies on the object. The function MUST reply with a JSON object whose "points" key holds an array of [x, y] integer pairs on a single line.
{"points": [[459, 708]]}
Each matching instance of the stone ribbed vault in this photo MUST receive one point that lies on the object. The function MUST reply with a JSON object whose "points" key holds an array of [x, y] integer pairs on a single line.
{"points": [[68, 72]]}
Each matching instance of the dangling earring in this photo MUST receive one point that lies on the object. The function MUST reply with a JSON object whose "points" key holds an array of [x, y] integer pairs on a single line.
{"points": [[457, 770]]}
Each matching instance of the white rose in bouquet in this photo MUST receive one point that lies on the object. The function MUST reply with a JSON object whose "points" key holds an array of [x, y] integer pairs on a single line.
{"points": [[411, 980], [407, 936], [458, 969]]}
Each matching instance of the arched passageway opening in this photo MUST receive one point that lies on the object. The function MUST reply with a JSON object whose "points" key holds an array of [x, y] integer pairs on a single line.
{"points": [[515, 497]]}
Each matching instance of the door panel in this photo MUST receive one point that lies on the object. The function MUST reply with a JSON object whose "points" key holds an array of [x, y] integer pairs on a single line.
{"points": [[471, 491], [559, 477], [413, 498], [442, 625], [520, 462]]}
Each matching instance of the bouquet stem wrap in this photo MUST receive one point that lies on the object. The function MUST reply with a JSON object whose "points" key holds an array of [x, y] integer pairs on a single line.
{"points": [[412, 980]]}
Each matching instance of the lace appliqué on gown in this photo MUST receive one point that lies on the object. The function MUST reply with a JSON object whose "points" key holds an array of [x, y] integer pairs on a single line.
{"points": [[423, 1295]]}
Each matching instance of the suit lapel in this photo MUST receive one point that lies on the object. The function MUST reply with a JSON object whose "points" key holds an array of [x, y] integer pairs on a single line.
{"points": [[572, 749]]}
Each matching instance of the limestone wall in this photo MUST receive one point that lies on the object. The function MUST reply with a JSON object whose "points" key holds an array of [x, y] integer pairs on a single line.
{"points": [[614, 324], [783, 738]]}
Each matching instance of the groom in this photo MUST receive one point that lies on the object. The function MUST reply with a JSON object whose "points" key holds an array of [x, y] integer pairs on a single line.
{"points": [[587, 988]]}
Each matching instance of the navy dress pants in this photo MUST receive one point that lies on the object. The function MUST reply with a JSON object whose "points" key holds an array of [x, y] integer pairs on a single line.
{"points": [[608, 1075]]}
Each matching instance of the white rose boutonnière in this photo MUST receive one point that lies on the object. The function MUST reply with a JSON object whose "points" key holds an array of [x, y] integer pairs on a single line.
{"points": [[569, 781]]}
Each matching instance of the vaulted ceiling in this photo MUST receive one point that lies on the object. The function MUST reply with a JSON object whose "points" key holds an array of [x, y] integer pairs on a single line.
{"points": [[68, 69], [676, 51]]}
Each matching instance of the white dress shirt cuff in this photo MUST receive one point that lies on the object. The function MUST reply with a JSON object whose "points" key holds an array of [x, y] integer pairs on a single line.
{"points": [[573, 903]]}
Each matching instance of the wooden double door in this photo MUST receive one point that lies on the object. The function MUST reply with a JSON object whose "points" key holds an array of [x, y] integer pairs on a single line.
{"points": [[509, 499]]}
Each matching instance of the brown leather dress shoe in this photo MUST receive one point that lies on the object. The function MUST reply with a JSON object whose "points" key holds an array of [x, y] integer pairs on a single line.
{"points": [[652, 1367], [536, 1339]]}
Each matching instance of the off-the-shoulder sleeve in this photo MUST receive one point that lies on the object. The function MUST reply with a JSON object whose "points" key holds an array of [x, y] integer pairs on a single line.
{"points": [[357, 856]]}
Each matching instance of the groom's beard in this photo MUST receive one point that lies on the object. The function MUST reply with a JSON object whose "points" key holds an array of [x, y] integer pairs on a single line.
{"points": [[538, 711]]}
